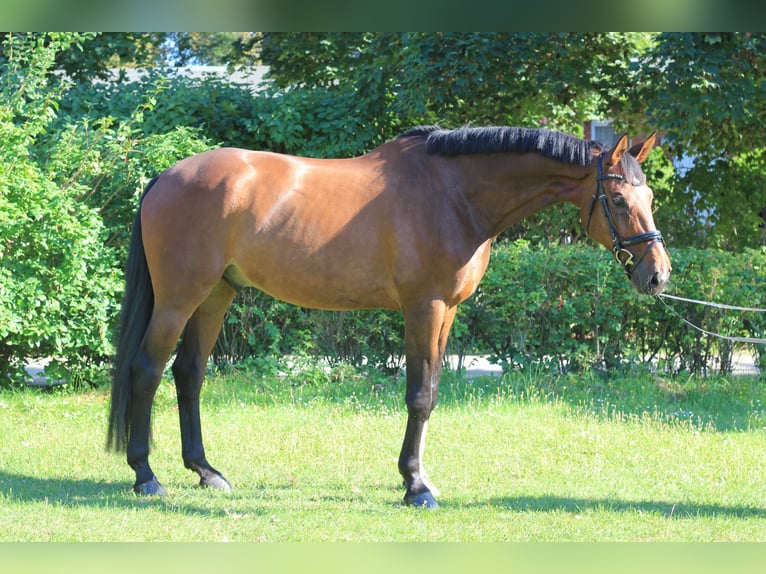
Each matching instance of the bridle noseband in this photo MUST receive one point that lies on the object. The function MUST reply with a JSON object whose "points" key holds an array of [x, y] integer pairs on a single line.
{"points": [[618, 244]]}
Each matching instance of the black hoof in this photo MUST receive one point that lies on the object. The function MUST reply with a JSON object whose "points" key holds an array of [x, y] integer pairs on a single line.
{"points": [[216, 482], [150, 488], [422, 500]]}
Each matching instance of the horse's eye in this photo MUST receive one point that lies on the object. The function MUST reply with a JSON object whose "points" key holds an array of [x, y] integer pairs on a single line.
{"points": [[619, 201]]}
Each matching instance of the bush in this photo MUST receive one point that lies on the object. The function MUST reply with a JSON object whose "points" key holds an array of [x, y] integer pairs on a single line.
{"points": [[372, 338], [69, 188], [571, 307], [554, 306], [58, 285], [258, 330], [213, 107], [714, 275]]}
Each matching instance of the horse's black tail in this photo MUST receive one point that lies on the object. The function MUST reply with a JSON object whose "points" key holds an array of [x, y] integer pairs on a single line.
{"points": [[137, 306]]}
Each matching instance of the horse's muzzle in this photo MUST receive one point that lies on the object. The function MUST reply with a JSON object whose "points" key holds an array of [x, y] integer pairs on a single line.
{"points": [[654, 284]]}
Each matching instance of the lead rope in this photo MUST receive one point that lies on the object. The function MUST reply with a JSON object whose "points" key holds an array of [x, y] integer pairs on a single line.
{"points": [[752, 340]]}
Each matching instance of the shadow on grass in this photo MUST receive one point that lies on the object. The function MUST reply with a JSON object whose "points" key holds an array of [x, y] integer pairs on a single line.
{"points": [[720, 404], [668, 509], [256, 499], [90, 493]]}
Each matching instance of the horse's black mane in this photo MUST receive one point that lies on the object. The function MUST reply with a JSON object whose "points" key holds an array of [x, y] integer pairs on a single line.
{"points": [[552, 144]]}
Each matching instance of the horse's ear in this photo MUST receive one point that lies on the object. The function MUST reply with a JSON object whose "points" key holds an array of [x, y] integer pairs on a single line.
{"points": [[640, 151], [615, 154]]}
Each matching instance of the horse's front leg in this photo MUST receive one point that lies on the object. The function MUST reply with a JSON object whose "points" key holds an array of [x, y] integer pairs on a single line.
{"points": [[189, 372], [426, 330]]}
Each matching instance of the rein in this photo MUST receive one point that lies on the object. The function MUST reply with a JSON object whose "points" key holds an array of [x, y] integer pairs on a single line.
{"points": [[753, 340], [618, 244]]}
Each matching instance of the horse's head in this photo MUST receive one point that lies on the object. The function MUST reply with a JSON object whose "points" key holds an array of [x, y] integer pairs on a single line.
{"points": [[619, 216]]}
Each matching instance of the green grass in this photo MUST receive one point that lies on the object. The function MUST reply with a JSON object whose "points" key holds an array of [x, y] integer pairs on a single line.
{"points": [[312, 457]]}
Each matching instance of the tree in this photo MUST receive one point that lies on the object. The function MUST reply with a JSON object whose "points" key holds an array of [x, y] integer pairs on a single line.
{"points": [[212, 49], [706, 91], [58, 286], [531, 79], [97, 54]]}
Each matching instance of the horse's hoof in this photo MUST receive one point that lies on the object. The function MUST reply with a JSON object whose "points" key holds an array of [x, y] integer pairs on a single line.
{"points": [[150, 488], [422, 500], [216, 482]]}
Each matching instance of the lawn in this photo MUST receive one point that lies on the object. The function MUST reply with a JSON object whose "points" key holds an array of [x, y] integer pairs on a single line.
{"points": [[523, 457]]}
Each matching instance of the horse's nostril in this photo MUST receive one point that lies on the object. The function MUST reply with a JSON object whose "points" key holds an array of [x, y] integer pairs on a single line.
{"points": [[653, 285], [656, 283]]}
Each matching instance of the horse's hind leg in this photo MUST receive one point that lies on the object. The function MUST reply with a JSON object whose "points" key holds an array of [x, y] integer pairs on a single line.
{"points": [[189, 371], [146, 369]]}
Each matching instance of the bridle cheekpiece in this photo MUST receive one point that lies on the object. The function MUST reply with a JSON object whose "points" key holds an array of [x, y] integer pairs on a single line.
{"points": [[619, 245]]}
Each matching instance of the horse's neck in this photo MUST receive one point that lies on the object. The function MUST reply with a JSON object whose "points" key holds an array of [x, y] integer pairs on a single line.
{"points": [[506, 188]]}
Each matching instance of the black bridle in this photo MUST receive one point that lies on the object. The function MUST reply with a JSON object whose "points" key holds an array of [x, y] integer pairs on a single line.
{"points": [[618, 244]]}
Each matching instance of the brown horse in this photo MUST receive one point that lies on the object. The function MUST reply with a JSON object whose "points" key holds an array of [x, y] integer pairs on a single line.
{"points": [[407, 226]]}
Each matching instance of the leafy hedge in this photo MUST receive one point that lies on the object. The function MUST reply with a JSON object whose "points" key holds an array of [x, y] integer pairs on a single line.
{"points": [[571, 307], [317, 123], [563, 307], [260, 330]]}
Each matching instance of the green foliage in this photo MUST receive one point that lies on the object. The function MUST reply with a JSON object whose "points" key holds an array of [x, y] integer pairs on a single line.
{"points": [[373, 338], [258, 330], [705, 91], [571, 307], [718, 78], [97, 53], [217, 108], [552, 306], [58, 286], [214, 49], [325, 122], [529, 79], [69, 190], [714, 275], [108, 164], [100, 53], [717, 204], [456, 78]]}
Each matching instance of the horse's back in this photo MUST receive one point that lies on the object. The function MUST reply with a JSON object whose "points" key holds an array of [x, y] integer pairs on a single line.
{"points": [[309, 231]]}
